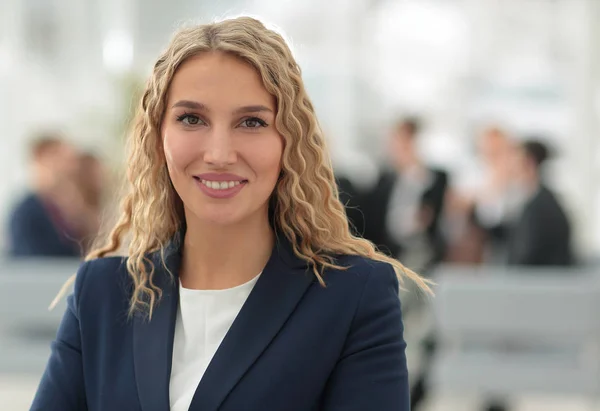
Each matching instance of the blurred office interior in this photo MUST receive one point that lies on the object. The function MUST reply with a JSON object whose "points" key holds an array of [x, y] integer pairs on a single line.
{"points": [[455, 88]]}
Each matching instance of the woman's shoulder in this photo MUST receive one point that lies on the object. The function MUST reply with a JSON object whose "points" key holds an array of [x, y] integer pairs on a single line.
{"points": [[101, 277], [367, 287], [361, 264], [103, 267], [360, 270]]}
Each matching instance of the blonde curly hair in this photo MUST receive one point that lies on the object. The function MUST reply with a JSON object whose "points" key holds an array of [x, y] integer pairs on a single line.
{"points": [[306, 207]]}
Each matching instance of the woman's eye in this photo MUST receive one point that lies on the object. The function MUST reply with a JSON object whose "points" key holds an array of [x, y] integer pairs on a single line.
{"points": [[189, 119], [253, 123]]}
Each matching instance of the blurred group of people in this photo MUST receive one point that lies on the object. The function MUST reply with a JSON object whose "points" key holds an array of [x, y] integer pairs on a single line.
{"points": [[512, 215], [60, 215], [509, 215]]}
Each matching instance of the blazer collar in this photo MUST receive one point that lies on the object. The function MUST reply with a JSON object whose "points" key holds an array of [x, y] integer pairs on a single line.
{"points": [[278, 290], [153, 339]]}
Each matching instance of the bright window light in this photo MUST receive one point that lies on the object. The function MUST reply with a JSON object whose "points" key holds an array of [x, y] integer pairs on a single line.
{"points": [[117, 51]]}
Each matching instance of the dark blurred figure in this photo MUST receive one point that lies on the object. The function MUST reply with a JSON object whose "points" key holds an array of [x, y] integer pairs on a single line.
{"points": [[403, 211], [352, 198], [40, 224], [402, 216], [541, 235], [356, 174]]}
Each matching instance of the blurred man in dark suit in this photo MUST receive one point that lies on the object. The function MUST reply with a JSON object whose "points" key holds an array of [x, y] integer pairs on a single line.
{"points": [[402, 217], [402, 213]]}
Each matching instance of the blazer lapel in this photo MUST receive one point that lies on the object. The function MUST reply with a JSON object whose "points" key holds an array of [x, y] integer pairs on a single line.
{"points": [[280, 287], [153, 340]]}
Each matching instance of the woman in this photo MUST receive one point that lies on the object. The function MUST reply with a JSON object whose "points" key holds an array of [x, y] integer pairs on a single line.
{"points": [[243, 288]]}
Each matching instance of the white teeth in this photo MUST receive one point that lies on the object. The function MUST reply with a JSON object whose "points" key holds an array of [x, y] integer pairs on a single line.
{"points": [[220, 185]]}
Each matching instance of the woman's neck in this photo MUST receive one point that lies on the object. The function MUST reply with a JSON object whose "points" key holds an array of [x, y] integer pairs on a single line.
{"points": [[220, 257]]}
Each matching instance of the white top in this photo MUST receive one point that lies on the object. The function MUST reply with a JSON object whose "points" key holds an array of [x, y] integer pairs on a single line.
{"points": [[405, 202], [203, 319]]}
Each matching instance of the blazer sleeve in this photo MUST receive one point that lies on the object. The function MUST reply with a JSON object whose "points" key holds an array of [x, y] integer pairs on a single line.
{"points": [[62, 385], [372, 372]]}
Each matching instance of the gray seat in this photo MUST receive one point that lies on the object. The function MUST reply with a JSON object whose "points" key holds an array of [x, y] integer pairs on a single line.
{"points": [[27, 327], [518, 332]]}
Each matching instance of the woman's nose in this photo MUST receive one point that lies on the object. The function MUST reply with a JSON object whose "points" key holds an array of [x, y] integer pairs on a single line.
{"points": [[220, 151]]}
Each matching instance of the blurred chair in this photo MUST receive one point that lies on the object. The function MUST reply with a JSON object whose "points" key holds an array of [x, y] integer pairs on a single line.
{"points": [[26, 326], [506, 334]]}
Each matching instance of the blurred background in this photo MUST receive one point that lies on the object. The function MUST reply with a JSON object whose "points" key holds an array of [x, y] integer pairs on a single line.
{"points": [[465, 138]]}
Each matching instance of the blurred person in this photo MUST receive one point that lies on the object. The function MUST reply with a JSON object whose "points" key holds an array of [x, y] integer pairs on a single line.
{"points": [[40, 225], [356, 175], [234, 229], [403, 212], [495, 200], [402, 216], [351, 197], [541, 235], [495, 148], [482, 203], [464, 236], [91, 182], [92, 176]]}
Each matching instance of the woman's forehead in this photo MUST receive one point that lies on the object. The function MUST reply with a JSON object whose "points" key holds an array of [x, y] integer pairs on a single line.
{"points": [[219, 79]]}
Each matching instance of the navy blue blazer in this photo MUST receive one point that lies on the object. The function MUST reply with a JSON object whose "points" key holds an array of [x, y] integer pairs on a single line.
{"points": [[295, 345]]}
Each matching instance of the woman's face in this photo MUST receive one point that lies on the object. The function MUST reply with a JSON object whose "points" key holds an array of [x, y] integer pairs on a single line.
{"points": [[221, 146]]}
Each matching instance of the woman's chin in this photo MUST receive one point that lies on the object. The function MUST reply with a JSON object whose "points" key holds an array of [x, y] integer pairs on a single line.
{"points": [[224, 214], [220, 217]]}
